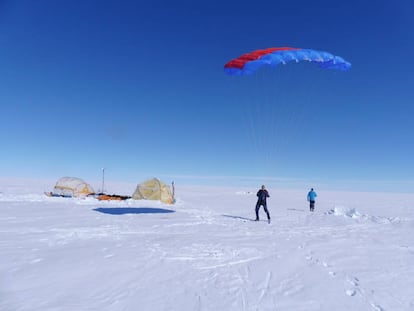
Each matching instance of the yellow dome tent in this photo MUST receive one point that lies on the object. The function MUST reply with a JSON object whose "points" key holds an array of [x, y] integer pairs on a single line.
{"points": [[71, 187], [154, 189]]}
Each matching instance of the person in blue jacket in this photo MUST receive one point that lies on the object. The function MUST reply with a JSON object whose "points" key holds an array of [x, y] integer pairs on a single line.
{"points": [[311, 199], [262, 195]]}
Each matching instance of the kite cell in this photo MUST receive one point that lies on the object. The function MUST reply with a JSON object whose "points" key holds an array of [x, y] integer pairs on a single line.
{"points": [[250, 62]]}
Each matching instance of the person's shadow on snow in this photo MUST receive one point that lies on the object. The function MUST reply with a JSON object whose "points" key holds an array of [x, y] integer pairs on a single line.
{"points": [[238, 217], [132, 210]]}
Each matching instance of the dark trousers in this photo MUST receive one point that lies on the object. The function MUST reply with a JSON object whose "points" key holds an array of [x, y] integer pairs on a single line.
{"points": [[265, 208], [312, 205]]}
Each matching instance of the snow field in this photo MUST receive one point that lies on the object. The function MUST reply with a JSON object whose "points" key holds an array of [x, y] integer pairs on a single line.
{"points": [[205, 252]]}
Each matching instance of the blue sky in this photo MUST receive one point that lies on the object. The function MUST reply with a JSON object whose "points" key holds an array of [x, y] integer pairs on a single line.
{"points": [[138, 88]]}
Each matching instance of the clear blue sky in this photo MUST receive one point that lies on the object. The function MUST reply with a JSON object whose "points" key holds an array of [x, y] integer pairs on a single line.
{"points": [[138, 88]]}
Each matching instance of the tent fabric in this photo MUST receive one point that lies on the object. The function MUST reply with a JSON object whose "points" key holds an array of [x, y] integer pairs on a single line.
{"points": [[154, 189], [72, 187]]}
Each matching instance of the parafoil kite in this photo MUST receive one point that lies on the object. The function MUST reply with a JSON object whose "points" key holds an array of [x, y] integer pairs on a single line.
{"points": [[250, 62]]}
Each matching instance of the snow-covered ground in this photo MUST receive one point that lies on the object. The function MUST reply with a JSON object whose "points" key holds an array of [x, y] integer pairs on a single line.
{"points": [[355, 252]]}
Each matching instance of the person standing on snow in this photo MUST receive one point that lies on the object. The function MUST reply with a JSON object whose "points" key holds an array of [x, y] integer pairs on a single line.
{"points": [[262, 195], [311, 199]]}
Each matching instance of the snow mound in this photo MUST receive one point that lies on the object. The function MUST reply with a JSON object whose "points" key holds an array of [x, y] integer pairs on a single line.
{"points": [[349, 212], [345, 212]]}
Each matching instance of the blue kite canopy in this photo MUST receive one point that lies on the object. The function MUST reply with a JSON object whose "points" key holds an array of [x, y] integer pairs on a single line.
{"points": [[250, 62]]}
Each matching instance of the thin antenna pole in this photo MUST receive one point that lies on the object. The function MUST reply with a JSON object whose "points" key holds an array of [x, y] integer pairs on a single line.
{"points": [[103, 180]]}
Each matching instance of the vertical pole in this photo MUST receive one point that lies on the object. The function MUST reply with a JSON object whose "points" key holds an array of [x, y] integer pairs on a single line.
{"points": [[103, 180], [173, 191]]}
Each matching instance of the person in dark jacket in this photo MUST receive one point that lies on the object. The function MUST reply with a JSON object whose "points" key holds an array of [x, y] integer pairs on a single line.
{"points": [[311, 199], [262, 195]]}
